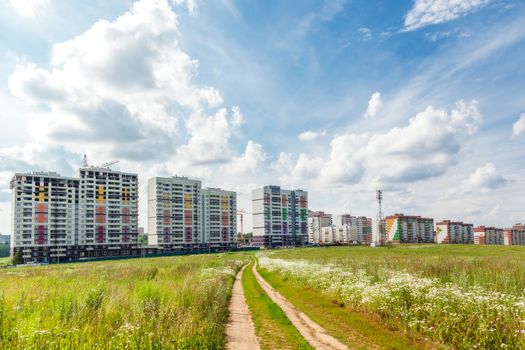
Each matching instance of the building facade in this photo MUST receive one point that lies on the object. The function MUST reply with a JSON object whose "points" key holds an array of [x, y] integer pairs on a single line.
{"points": [[316, 221], [488, 235], [454, 232], [219, 219], [182, 215], [401, 228], [57, 218], [280, 217], [362, 224], [514, 235]]}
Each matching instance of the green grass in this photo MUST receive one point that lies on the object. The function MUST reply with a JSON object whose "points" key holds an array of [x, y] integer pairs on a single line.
{"points": [[272, 327], [464, 296], [496, 268], [154, 303], [359, 330], [4, 261]]}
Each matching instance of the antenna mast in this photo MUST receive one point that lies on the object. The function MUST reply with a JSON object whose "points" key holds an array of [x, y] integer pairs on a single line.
{"points": [[380, 218]]}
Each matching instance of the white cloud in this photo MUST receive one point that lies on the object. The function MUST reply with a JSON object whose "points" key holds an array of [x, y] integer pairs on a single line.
{"points": [[191, 5], [209, 137], [311, 135], [28, 8], [428, 12], [519, 126], [483, 179], [366, 33], [374, 104], [121, 88], [249, 161], [423, 149]]}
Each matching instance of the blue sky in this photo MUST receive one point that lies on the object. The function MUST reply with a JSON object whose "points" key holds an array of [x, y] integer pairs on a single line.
{"points": [[423, 98]]}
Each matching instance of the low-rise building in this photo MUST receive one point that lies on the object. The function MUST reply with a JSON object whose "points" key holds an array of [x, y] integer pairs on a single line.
{"points": [[454, 232], [402, 228]]}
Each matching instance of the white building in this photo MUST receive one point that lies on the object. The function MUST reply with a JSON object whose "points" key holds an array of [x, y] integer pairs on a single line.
{"points": [[58, 218], [362, 225], [219, 219], [182, 215], [280, 217], [339, 234], [316, 221]]}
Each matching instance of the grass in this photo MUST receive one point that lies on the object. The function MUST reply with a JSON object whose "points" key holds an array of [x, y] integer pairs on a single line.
{"points": [[272, 327], [4, 261], [463, 296], [359, 330], [495, 268], [154, 303]]}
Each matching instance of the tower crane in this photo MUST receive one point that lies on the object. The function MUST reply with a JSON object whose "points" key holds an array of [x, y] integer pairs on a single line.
{"points": [[241, 214]]}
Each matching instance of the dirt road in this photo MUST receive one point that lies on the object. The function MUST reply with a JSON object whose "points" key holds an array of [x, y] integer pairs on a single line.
{"points": [[240, 332], [311, 331]]}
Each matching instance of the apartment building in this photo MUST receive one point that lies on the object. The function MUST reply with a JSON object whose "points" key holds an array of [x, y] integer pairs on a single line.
{"points": [[182, 215], [454, 232], [316, 221], [108, 211], [401, 228], [280, 217], [514, 235], [362, 224], [57, 218], [174, 213], [488, 235], [340, 234], [219, 219]]}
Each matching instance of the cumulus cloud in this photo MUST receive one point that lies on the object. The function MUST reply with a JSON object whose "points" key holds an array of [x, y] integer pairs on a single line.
{"points": [[374, 104], [191, 5], [123, 88], [423, 149], [311, 135], [428, 12], [519, 126], [250, 160], [209, 137], [483, 179], [28, 8]]}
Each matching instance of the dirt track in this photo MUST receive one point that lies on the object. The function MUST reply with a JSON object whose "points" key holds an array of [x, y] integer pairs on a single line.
{"points": [[311, 331], [240, 332]]}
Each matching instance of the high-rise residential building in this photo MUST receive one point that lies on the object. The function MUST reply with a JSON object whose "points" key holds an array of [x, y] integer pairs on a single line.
{"points": [[58, 218], [362, 224], [108, 211], [514, 235], [401, 228], [174, 213], [488, 235], [454, 232], [280, 217], [316, 221], [219, 219], [182, 215]]}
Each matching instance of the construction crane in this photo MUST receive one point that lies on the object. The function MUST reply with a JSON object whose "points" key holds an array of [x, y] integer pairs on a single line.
{"points": [[241, 214], [108, 164]]}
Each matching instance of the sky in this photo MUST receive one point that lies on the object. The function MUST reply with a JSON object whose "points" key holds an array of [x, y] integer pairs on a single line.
{"points": [[420, 98]]}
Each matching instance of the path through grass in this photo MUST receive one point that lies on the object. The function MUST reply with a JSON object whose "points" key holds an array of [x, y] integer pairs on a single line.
{"points": [[273, 328]]}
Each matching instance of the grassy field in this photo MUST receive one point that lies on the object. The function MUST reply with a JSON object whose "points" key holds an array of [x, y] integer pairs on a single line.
{"points": [[272, 327], [461, 296], [154, 303]]}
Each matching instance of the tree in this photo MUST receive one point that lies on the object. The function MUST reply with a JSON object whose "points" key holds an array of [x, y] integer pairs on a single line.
{"points": [[17, 258], [143, 240]]}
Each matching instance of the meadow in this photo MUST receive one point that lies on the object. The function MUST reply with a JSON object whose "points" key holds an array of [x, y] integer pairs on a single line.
{"points": [[460, 296], [153, 303]]}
